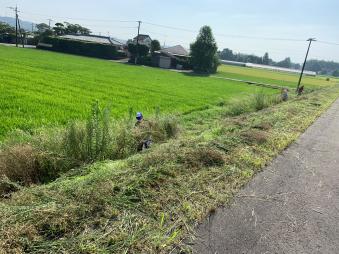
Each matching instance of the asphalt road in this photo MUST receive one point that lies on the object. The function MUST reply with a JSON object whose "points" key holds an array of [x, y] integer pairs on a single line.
{"points": [[290, 207]]}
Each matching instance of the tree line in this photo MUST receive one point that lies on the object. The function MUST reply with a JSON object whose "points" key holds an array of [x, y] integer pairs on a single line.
{"points": [[228, 54], [320, 66], [7, 32]]}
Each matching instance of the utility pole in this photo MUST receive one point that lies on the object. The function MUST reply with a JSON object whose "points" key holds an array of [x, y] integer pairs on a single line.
{"points": [[303, 68], [15, 9], [32, 27], [136, 58], [21, 35], [49, 23]]}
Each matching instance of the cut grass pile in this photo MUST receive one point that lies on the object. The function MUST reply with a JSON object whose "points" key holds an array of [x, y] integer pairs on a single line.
{"points": [[150, 202], [40, 88], [274, 77]]}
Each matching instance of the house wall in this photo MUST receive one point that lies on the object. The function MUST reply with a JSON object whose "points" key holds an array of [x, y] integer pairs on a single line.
{"points": [[165, 62]]}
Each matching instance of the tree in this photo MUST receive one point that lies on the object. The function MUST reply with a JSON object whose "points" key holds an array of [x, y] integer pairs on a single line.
{"points": [[322, 66], [7, 33], [59, 29], [155, 46], [42, 28], [335, 73], [43, 31], [6, 28], [286, 63], [227, 54], [266, 59], [204, 57], [137, 51], [76, 29]]}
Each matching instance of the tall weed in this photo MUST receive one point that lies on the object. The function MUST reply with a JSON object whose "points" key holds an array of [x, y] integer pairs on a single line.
{"points": [[42, 157], [253, 103]]}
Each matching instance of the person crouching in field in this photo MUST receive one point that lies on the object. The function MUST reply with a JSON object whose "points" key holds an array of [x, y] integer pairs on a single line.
{"points": [[300, 90], [284, 94], [143, 129]]}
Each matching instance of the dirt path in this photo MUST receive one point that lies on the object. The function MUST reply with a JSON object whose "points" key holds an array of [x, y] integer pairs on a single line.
{"points": [[291, 207]]}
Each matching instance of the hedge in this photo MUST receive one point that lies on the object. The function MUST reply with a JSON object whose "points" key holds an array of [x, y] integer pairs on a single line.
{"points": [[81, 48]]}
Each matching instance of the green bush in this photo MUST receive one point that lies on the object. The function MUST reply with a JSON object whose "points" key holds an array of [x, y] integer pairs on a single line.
{"points": [[140, 49], [238, 107], [90, 142], [260, 101], [7, 38], [81, 48], [170, 127], [145, 60], [185, 62]]}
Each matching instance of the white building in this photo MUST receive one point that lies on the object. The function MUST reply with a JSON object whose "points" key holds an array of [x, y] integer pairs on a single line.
{"points": [[267, 67]]}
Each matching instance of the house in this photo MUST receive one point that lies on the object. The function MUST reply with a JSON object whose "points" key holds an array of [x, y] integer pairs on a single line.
{"points": [[144, 39], [119, 44], [173, 57], [86, 45]]}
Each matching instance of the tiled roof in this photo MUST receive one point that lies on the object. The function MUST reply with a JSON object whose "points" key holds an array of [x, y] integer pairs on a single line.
{"points": [[93, 38], [175, 50]]}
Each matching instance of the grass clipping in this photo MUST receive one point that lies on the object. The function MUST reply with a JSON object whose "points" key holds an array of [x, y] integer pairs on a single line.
{"points": [[150, 202]]}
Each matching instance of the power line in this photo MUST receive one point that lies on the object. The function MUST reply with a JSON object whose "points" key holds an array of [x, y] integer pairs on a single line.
{"points": [[152, 32], [178, 28], [93, 25], [85, 19], [329, 43], [227, 35], [171, 27], [259, 38]]}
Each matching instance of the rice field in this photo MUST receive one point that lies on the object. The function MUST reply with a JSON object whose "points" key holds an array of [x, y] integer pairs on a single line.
{"points": [[274, 77], [40, 88]]}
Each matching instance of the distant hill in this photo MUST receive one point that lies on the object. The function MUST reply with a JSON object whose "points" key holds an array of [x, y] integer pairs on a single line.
{"points": [[24, 24]]}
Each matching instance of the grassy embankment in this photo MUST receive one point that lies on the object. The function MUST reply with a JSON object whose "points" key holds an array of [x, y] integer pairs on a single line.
{"points": [[150, 202], [39, 89]]}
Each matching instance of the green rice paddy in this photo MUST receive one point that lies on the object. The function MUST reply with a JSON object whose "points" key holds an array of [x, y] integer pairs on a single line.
{"points": [[41, 88]]}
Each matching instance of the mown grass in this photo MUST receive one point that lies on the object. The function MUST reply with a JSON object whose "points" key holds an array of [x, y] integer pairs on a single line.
{"points": [[274, 77], [39, 88], [150, 202]]}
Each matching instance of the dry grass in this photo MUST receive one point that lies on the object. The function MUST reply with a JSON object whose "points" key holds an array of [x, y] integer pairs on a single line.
{"points": [[263, 126], [255, 136], [197, 157], [20, 164]]}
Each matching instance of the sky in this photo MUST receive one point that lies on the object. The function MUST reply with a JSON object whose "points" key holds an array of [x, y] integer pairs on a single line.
{"points": [[279, 27]]}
